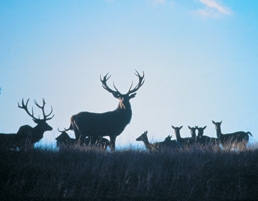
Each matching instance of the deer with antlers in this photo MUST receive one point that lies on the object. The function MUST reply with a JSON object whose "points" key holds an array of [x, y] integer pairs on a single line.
{"points": [[35, 134], [110, 123], [64, 141]]}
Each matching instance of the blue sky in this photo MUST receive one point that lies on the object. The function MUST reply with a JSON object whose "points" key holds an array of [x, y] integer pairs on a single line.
{"points": [[199, 58]]}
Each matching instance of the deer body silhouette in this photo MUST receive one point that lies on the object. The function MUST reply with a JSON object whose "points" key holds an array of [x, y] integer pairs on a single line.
{"points": [[232, 140], [110, 123], [35, 134]]}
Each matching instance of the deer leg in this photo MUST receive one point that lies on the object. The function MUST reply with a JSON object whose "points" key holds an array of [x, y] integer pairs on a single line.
{"points": [[112, 143]]}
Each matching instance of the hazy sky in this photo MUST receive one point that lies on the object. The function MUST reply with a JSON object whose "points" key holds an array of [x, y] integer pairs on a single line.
{"points": [[200, 59]]}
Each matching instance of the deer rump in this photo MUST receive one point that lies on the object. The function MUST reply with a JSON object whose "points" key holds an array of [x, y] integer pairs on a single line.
{"points": [[236, 138], [100, 124]]}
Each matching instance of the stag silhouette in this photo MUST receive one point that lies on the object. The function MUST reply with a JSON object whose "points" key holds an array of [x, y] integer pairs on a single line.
{"points": [[232, 140], [110, 123], [35, 134]]}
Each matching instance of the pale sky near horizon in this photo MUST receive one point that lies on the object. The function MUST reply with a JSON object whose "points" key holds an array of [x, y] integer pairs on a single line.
{"points": [[199, 58]]}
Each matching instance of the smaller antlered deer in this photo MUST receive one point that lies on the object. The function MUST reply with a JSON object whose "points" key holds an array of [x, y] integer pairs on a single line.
{"points": [[232, 140], [64, 140], [35, 134]]}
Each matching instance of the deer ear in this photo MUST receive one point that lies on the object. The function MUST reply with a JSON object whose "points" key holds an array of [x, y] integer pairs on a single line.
{"points": [[204, 127]]}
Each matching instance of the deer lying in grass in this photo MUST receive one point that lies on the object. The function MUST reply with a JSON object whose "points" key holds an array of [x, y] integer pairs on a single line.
{"points": [[183, 142], [110, 123], [64, 140], [35, 134], [170, 144], [232, 140], [205, 140], [157, 146]]}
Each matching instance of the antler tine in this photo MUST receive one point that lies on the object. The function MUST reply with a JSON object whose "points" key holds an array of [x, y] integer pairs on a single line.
{"points": [[25, 107], [140, 83], [105, 86], [46, 117], [116, 88]]}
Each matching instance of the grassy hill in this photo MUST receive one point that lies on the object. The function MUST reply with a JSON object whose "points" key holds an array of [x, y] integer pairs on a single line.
{"points": [[79, 174]]}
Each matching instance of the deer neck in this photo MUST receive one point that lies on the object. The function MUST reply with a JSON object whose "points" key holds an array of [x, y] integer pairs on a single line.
{"points": [[37, 133], [178, 137], [218, 130], [124, 109]]}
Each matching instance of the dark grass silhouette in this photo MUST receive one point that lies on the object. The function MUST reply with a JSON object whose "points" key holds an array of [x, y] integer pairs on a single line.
{"points": [[86, 174]]}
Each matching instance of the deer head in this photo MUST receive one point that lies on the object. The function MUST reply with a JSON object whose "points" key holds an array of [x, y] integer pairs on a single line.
{"points": [[42, 123], [123, 98]]}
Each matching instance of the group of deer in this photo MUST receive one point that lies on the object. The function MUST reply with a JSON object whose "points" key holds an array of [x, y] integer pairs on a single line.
{"points": [[89, 128], [237, 140]]}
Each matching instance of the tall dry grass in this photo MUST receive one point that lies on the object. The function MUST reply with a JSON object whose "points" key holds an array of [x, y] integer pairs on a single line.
{"points": [[79, 174]]}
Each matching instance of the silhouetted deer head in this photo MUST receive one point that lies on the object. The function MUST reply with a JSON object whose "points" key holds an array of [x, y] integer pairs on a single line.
{"points": [[109, 123], [35, 134]]}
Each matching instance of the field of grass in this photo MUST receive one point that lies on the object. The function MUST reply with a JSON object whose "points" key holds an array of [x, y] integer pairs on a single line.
{"points": [[78, 174]]}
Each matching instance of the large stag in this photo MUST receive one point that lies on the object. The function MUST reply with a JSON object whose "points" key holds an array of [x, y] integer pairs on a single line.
{"points": [[109, 123], [35, 134], [232, 140]]}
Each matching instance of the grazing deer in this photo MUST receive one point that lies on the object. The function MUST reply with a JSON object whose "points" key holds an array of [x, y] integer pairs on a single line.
{"points": [[35, 134], [232, 140], [182, 142], [205, 140], [64, 140], [109, 123]]}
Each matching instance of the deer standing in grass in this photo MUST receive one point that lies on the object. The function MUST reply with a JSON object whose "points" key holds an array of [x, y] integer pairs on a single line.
{"points": [[193, 133], [232, 140], [35, 134], [110, 123], [205, 140], [182, 142]]}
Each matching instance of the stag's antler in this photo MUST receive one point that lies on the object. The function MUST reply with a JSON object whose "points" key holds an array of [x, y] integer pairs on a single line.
{"points": [[46, 117], [25, 107], [140, 83], [105, 86]]}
